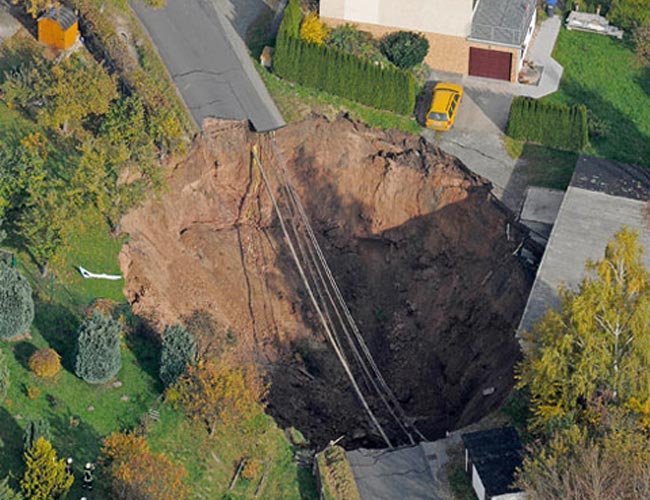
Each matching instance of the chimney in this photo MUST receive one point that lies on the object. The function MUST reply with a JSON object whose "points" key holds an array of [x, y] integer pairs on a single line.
{"points": [[598, 10]]}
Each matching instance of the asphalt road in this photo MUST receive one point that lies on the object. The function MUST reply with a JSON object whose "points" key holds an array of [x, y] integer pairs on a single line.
{"points": [[209, 63]]}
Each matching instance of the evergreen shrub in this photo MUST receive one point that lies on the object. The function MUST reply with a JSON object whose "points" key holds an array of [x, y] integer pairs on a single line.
{"points": [[340, 73], [555, 125]]}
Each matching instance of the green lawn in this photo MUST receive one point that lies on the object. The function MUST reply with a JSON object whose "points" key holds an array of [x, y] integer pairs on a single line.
{"points": [[297, 102], [542, 166], [211, 463], [601, 72]]}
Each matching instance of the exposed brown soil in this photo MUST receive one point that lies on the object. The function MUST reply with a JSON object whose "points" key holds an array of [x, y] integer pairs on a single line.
{"points": [[417, 245]]}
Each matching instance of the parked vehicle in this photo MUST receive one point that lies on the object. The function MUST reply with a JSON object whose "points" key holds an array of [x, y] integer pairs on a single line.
{"points": [[444, 106]]}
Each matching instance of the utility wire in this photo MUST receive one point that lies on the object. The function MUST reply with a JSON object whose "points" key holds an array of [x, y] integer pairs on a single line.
{"points": [[320, 313]]}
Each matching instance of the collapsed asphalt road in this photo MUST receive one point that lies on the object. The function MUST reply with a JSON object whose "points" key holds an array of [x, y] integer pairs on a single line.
{"points": [[209, 63]]}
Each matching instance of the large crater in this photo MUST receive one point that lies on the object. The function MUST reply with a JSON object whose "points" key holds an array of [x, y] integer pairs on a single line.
{"points": [[421, 251]]}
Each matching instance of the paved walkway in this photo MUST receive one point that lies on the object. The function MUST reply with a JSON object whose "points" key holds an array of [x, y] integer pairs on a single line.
{"points": [[540, 53], [209, 63]]}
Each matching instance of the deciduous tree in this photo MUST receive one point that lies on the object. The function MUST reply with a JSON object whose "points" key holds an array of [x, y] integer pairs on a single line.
{"points": [[45, 477], [217, 394], [642, 43], [138, 474], [16, 303], [598, 344], [630, 14], [98, 356], [75, 88]]}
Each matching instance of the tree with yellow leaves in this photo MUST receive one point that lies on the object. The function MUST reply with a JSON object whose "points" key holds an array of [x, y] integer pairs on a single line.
{"points": [[597, 346], [137, 473], [215, 393], [46, 477], [586, 368], [313, 30]]}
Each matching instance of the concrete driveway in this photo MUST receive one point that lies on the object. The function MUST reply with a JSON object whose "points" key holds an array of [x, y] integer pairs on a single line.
{"points": [[477, 139], [209, 63]]}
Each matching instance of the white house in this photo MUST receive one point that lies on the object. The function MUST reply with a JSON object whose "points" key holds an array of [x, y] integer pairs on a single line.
{"points": [[491, 458], [487, 38]]}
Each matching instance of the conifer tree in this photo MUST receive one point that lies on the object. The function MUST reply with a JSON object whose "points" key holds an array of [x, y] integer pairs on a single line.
{"points": [[98, 356], [45, 475], [8, 493], [37, 428], [16, 303], [178, 351]]}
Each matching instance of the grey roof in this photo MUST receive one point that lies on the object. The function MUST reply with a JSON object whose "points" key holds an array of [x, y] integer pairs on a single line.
{"points": [[502, 21], [62, 15], [496, 454], [603, 197]]}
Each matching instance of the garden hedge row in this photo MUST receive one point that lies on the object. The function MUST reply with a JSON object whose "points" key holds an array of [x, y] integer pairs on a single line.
{"points": [[339, 73], [554, 125]]}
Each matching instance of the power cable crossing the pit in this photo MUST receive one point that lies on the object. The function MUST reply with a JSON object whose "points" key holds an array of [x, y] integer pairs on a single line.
{"points": [[326, 298]]}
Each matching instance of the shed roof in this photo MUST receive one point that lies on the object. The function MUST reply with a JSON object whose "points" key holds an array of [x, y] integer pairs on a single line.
{"points": [[603, 197], [496, 454], [63, 16], [502, 21]]}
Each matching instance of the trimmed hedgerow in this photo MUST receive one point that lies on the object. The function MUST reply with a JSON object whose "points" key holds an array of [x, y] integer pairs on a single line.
{"points": [[340, 73], [554, 125]]}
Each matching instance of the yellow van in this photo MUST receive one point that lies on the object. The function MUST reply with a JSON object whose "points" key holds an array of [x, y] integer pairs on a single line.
{"points": [[444, 106]]}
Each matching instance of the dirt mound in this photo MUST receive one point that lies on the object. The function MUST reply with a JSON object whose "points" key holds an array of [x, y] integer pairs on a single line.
{"points": [[423, 256]]}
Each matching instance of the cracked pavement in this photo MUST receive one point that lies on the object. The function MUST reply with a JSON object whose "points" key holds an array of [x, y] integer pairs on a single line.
{"points": [[477, 140], [209, 63]]}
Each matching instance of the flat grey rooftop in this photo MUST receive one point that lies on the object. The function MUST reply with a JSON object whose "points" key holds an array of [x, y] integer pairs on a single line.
{"points": [[502, 21], [392, 474], [209, 63], [588, 218], [541, 205]]}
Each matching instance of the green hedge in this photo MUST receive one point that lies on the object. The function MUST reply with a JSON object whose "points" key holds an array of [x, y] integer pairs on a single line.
{"points": [[339, 73], [554, 125]]}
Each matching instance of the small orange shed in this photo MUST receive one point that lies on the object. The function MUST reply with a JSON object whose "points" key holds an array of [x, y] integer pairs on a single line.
{"points": [[58, 27]]}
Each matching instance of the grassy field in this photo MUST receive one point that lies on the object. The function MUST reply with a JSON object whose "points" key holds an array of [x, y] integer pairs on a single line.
{"points": [[602, 73], [296, 102], [542, 166], [212, 462]]}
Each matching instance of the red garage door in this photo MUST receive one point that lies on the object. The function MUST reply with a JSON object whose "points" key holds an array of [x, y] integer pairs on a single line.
{"points": [[490, 63]]}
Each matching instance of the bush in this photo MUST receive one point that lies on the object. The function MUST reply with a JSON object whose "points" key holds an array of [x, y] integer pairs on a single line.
{"points": [[32, 392], [554, 125], [178, 350], [404, 49], [5, 379], [348, 38], [340, 73], [45, 363], [16, 304], [35, 429], [98, 357], [313, 30]]}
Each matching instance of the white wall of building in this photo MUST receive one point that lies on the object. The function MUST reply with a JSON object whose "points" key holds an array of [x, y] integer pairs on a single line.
{"points": [[529, 36], [478, 485], [446, 17]]}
